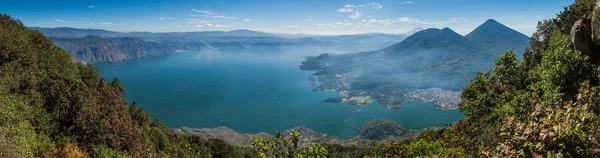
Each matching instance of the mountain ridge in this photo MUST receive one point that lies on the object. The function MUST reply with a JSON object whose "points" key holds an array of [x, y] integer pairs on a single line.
{"points": [[495, 37], [173, 42], [432, 65]]}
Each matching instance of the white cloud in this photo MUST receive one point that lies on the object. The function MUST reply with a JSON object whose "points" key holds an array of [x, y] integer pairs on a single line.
{"points": [[210, 25], [223, 17], [407, 2], [309, 19], [385, 21], [327, 26], [292, 26], [246, 20], [372, 5], [335, 25], [205, 12], [209, 14], [91, 6], [343, 23], [169, 18], [106, 23], [196, 21], [430, 22], [348, 8], [355, 15], [201, 23], [59, 20], [352, 10]]}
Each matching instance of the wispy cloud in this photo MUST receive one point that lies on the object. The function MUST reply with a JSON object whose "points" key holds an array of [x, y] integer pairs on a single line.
{"points": [[327, 26], [59, 20], [210, 14], [246, 20], [205, 12], [201, 23], [101, 23], [430, 22], [355, 15], [406, 2], [377, 22], [372, 5], [309, 19], [352, 10], [348, 8], [223, 17], [196, 21], [168, 18], [343, 23], [210, 25], [292, 26], [335, 25], [91, 6]]}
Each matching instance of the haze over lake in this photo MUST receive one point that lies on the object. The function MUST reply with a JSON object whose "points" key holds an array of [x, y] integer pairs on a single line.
{"points": [[251, 91]]}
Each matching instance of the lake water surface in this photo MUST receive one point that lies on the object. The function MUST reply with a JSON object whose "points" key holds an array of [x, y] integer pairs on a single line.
{"points": [[250, 92]]}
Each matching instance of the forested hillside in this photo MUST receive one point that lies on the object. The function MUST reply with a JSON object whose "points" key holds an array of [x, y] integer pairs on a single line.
{"points": [[52, 107], [544, 106]]}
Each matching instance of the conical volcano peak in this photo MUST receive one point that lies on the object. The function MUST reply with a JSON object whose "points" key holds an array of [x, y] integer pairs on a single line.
{"points": [[491, 21], [491, 26]]}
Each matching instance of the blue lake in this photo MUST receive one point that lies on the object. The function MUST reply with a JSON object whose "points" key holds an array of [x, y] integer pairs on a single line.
{"points": [[250, 92]]}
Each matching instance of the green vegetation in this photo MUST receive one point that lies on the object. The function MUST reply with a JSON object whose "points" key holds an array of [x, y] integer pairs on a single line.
{"points": [[287, 147], [544, 106], [52, 107], [380, 129]]}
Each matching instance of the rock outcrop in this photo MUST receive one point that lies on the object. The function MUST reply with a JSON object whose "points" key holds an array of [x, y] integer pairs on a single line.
{"points": [[595, 22], [581, 36], [585, 35]]}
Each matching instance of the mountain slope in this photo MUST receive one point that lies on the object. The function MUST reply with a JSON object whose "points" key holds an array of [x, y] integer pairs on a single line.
{"points": [[52, 107], [116, 46], [413, 31], [431, 65], [496, 38], [74, 32], [98, 49], [432, 39]]}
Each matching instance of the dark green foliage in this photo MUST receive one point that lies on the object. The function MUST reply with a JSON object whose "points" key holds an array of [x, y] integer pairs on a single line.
{"points": [[52, 106], [336, 150], [280, 146], [380, 129], [544, 106]]}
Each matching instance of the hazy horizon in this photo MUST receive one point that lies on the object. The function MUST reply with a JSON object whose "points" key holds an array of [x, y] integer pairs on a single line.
{"points": [[290, 17]]}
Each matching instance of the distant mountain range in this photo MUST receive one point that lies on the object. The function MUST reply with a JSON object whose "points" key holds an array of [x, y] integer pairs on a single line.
{"points": [[95, 48], [97, 45], [409, 70]]}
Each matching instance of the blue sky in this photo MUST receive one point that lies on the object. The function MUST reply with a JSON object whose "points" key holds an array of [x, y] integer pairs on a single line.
{"points": [[282, 16]]}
